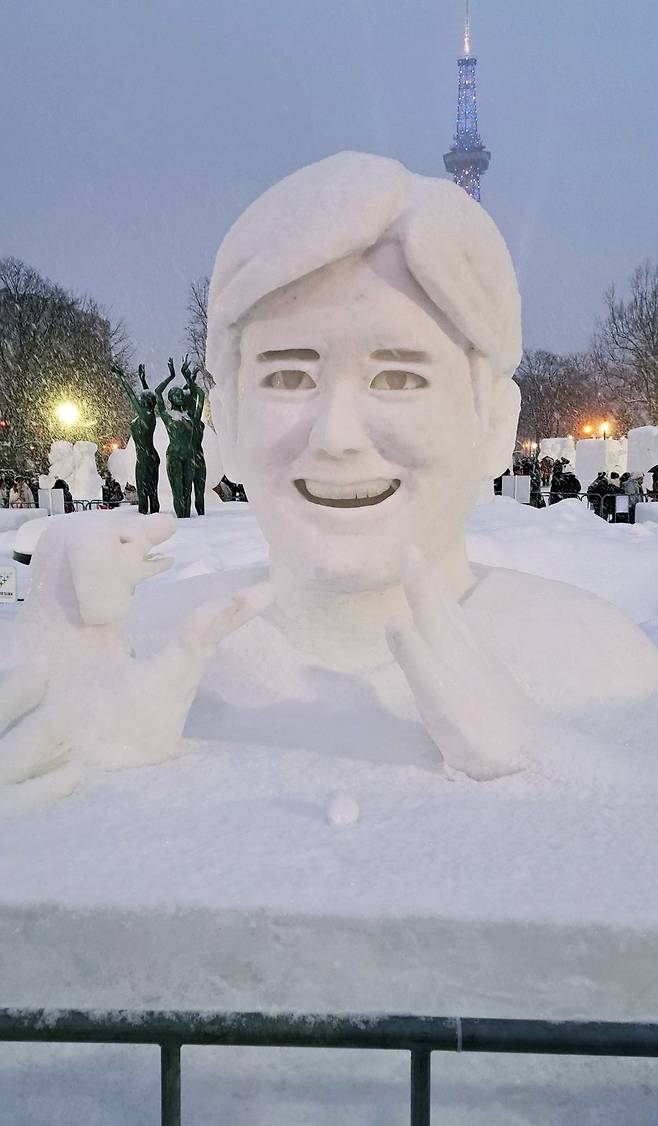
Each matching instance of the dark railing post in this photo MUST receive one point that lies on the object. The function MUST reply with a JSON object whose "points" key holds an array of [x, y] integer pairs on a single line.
{"points": [[170, 1083], [421, 1086]]}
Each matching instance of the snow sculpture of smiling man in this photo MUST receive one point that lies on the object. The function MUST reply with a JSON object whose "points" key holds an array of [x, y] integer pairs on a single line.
{"points": [[364, 327]]}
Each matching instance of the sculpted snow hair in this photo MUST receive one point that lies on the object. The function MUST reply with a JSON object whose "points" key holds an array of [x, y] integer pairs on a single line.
{"points": [[346, 205]]}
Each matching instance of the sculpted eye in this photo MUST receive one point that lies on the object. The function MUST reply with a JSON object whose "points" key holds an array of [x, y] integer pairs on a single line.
{"points": [[289, 380], [397, 381]]}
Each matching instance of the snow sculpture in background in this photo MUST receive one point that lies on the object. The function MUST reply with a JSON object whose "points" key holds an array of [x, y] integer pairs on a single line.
{"points": [[642, 449], [142, 429], [596, 454], [86, 483], [61, 465], [363, 330], [555, 448], [75, 464]]}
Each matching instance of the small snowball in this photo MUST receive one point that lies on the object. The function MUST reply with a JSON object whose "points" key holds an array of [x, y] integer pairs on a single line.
{"points": [[342, 808]]}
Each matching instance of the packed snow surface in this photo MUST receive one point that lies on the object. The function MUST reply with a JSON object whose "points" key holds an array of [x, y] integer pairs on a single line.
{"points": [[331, 874]]}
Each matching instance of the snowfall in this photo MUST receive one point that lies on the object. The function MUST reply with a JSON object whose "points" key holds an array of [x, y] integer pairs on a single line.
{"points": [[317, 875]]}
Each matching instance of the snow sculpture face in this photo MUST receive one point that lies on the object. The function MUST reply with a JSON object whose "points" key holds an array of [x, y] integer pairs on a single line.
{"points": [[61, 458], [357, 425], [85, 453], [363, 328]]}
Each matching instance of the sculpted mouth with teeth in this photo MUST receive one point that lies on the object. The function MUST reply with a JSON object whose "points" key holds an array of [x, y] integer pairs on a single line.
{"points": [[347, 496]]}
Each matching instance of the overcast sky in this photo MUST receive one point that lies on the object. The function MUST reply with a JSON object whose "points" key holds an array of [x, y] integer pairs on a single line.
{"points": [[135, 131]]}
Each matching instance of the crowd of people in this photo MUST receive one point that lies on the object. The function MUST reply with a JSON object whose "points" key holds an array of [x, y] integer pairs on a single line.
{"points": [[552, 481], [18, 492], [604, 490], [22, 491]]}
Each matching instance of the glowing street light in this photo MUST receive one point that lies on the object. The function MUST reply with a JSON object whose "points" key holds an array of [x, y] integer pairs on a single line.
{"points": [[605, 426], [587, 429], [67, 413]]}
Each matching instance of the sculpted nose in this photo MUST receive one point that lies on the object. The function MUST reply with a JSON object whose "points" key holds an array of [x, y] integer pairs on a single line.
{"points": [[338, 428]]}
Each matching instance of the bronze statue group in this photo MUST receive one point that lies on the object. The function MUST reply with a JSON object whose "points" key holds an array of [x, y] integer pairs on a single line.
{"points": [[182, 416]]}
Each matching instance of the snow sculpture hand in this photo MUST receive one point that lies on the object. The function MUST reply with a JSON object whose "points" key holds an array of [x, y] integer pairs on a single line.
{"points": [[473, 709], [79, 700]]}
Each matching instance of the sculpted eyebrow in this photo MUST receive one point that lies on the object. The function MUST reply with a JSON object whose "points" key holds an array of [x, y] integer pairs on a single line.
{"points": [[406, 355], [289, 354]]}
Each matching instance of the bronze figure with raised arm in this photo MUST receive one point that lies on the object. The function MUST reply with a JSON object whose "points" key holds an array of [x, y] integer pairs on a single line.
{"points": [[142, 428], [195, 403], [180, 452]]}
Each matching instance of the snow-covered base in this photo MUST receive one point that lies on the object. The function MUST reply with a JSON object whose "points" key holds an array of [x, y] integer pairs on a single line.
{"points": [[228, 879], [12, 518]]}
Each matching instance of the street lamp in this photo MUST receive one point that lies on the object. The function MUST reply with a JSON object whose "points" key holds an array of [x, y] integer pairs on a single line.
{"points": [[605, 426], [67, 413], [587, 429]]}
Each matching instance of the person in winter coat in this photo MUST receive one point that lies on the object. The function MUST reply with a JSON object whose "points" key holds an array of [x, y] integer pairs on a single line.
{"points": [[546, 468], [564, 483], [608, 507], [20, 494], [571, 486], [556, 482], [654, 481], [536, 498], [112, 494], [68, 499], [634, 491], [596, 492]]}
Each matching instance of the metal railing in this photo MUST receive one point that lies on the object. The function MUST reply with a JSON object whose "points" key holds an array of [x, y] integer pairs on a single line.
{"points": [[418, 1035]]}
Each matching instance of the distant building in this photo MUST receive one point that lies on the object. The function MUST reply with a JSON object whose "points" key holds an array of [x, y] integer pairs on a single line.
{"points": [[468, 159]]}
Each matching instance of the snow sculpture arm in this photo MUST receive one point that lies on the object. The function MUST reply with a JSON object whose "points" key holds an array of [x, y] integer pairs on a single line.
{"points": [[79, 697], [473, 709]]}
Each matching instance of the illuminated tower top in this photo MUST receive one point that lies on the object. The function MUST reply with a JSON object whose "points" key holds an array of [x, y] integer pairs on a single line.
{"points": [[468, 159], [467, 33]]}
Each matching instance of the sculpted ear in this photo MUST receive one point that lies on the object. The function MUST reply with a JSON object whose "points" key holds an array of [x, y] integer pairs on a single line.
{"points": [[500, 433], [223, 406]]}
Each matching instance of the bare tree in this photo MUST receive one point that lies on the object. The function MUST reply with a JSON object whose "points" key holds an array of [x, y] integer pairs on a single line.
{"points": [[626, 346], [197, 327], [559, 394], [54, 348]]}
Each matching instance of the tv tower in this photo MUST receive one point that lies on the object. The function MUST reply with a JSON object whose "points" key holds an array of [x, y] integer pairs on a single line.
{"points": [[468, 159]]}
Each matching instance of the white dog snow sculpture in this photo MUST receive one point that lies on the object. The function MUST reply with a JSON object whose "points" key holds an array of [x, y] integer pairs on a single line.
{"points": [[364, 327]]}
